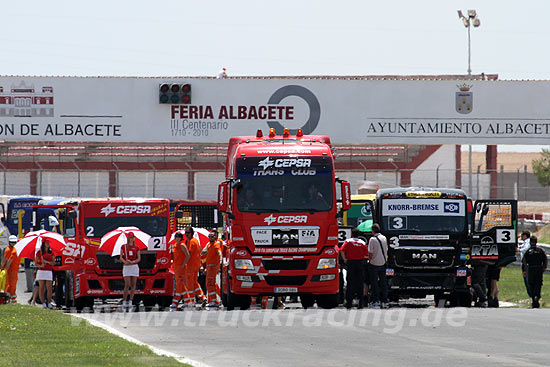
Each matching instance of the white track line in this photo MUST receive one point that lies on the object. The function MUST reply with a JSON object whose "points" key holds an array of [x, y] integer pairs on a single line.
{"points": [[155, 350]]}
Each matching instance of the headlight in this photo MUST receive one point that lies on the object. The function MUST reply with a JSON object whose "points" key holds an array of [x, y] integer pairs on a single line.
{"points": [[243, 264], [327, 263]]}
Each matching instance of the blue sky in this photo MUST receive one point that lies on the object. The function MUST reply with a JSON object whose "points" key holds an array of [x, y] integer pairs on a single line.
{"points": [[146, 38]]}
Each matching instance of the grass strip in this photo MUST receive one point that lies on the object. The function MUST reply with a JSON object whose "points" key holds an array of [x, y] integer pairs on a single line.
{"points": [[512, 289], [32, 336]]}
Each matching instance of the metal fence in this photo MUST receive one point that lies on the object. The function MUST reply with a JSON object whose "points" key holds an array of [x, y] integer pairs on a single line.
{"points": [[520, 185]]}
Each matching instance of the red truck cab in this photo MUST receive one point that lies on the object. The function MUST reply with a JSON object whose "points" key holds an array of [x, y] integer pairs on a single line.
{"points": [[280, 205]]}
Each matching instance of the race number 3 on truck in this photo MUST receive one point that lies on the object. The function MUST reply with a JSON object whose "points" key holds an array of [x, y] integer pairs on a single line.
{"points": [[435, 234], [280, 211], [94, 274]]}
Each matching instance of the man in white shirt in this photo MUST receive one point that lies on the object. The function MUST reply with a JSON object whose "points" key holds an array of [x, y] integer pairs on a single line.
{"points": [[378, 253], [523, 247]]}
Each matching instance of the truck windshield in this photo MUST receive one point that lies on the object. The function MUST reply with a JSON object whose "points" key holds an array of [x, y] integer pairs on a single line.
{"points": [[283, 184], [98, 227], [424, 215]]}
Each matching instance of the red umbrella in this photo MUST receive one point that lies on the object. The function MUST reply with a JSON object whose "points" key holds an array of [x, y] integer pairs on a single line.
{"points": [[113, 241], [200, 234], [29, 245]]}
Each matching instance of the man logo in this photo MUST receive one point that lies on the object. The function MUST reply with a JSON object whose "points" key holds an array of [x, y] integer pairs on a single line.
{"points": [[266, 163], [451, 208], [107, 210], [269, 220]]}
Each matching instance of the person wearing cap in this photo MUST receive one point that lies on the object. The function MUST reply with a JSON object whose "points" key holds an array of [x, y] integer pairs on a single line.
{"points": [[222, 74], [11, 264], [130, 256]]}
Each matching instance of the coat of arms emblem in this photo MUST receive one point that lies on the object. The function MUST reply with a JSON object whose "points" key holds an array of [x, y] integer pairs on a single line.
{"points": [[464, 99]]}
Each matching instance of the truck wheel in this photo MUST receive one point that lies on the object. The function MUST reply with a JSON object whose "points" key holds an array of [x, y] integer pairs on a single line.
{"points": [[222, 291], [231, 298], [82, 302], [245, 302], [327, 301], [69, 290], [307, 300], [440, 300], [464, 299], [164, 302], [149, 302]]}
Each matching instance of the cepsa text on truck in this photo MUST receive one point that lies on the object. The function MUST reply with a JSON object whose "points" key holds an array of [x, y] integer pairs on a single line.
{"points": [[97, 274], [280, 205]]}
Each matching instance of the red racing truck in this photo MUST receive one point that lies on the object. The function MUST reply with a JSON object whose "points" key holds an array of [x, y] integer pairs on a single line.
{"points": [[280, 206], [89, 273]]}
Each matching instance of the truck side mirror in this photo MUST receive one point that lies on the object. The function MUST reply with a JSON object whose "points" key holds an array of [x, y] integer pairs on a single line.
{"points": [[179, 214], [346, 195], [72, 214], [223, 197], [52, 221]]}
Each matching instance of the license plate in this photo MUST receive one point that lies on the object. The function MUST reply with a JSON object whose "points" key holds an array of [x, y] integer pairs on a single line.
{"points": [[286, 290]]}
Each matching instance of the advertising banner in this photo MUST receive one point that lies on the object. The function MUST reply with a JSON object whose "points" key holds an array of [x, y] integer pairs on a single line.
{"points": [[213, 110]]}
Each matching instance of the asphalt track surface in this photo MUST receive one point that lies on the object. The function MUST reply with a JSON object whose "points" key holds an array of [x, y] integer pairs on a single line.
{"points": [[420, 335], [399, 336]]}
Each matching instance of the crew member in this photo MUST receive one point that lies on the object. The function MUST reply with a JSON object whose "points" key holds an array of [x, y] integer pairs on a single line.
{"points": [[523, 247], [180, 256], [194, 290], [493, 276], [533, 265], [378, 250], [354, 252], [213, 257], [10, 262], [479, 271], [130, 256]]}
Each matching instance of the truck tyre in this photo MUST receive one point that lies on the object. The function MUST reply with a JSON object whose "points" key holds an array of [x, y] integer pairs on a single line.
{"points": [[82, 302], [463, 299], [307, 301], [327, 301], [69, 295], [232, 300], [149, 302], [440, 300], [164, 302], [245, 302]]}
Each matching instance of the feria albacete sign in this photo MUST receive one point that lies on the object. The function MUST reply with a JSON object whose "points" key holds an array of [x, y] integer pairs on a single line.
{"points": [[350, 112]]}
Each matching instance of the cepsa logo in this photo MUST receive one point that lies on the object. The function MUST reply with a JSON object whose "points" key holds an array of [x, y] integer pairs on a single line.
{"points": [[285, 219], [284, 162], [125, 209]]}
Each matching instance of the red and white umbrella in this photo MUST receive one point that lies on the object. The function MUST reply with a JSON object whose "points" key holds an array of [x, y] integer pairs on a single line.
{"points": [[200, 234], [113, 241], [29, 245]]}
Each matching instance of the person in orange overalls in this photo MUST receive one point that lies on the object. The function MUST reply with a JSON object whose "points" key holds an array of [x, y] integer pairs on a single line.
{"points": [[213, 258], [181, 257], [11, 264], [193, 266]]}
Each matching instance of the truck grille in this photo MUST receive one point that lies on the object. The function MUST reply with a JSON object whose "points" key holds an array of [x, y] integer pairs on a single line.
{"points": [[285, 280], [285, 264], [108, 262], [423, 258], [118, 284]]}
